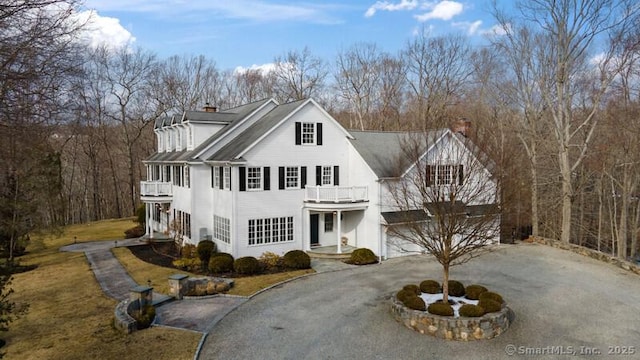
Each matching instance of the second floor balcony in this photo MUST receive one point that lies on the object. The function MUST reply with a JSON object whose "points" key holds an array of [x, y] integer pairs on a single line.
{"points": [[156, 190], [336, 194]]}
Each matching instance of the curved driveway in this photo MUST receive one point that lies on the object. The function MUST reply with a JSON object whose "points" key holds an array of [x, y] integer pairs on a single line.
{"points": [[560, 299]]}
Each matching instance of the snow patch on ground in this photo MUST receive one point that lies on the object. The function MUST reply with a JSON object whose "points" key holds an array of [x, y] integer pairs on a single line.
{"points": [[459, 301]]}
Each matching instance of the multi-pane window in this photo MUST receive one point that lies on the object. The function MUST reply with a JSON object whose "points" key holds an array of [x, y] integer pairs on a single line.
{"points": [[327, 175], [444, 175], [292, 177], [226, 178], [270, 230], [308, 133], [254, 178], [221, 229], [215, 173], [187, 177]]}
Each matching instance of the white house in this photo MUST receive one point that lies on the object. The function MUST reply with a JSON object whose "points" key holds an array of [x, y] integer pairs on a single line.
{"points": [[269, 177]]}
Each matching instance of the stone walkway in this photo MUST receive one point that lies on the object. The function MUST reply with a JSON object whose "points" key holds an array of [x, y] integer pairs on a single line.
{"points": [[191, 314]]}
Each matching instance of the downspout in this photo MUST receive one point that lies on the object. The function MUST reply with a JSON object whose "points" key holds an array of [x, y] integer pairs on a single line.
{"points": [[379, 231]]}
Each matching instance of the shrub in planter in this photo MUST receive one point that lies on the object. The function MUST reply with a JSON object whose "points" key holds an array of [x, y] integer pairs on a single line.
{"points": [[145, 317], [270, 260], [247, 265], [474, 291], [441, 309], [296, 259], [489, 305], [412, 288], [135, 232], [415, 303], [363, 256], [456, 288], [430, 287], [468, 310], [403, 294], [204, 249], [221, 263], [491, 296]]}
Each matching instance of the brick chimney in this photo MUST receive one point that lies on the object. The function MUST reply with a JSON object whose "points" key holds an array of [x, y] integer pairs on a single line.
{"points": [[462, 126], [209, 108]]}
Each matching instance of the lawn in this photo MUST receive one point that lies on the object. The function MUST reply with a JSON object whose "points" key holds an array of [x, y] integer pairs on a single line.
{"points": [[70, 317]]}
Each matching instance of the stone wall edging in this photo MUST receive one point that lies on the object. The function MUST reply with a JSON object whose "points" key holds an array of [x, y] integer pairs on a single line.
{"points": [[122, 320], [487, 326], [584, 251]]}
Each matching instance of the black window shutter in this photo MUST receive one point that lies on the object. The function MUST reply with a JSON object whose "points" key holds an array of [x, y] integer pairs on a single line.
{"points": [[460, 174], [319, 133], [267, 178], [298, 133], [427, 179], [243, 178], [221, 173], [303, 177], [318, 175], [212, 177], [336, 175], [281, 178], [230, 177]]}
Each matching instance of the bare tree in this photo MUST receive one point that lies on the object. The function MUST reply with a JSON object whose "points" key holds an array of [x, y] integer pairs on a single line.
{"points": [[570, 31], [299, 75], [446, 202]]}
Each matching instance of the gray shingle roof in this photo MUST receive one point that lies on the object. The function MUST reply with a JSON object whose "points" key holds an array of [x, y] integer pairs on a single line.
{"points": [[383, 150], [232, 150], [409, 216]]}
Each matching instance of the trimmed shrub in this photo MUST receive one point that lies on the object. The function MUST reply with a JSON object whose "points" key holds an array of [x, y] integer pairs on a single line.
{"points": [[247, 265], [270, 260], [221, 263], [415, 303], [441, 309], [296, 259], [489, 305], [188, 251], [363, 256], [134, 232], [145, 317], [456, 288], [468, 310], [189, 264], [491, 296], [403, 294], [474, 291], [413, 288], [430, 287], [204, 249], [141, 214]]}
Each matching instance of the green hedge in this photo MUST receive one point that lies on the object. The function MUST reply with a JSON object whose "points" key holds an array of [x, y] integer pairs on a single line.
{"points": [[442, 309], [474, 291], [468, 310], [491, 296], [296, 259], [415, 303], [221, 263], [412, 288], [489, 305], [363, 256], [430, 287], [247, 265], [456, 288]]}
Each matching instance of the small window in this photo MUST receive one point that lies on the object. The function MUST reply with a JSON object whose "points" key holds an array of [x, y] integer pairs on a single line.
{"points": [[216, 177], [328, 222], [291, 177], [327, 175], [227, 178], [254, 178], [308, 133]]}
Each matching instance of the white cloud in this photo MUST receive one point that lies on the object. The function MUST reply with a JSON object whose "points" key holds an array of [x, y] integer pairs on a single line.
{"points": [[496, 30], [471, 28], [264, 68], [444, 10], [387, 6], [103, 30]]}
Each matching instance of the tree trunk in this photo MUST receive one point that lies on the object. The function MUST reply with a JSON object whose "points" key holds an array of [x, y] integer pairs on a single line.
{"points": [[445, 283], [535, 220], [567, 195]]}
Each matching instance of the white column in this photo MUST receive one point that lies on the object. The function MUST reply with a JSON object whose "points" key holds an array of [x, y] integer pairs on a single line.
{"points": [[305, 227], [150, 208], [338, 220]]}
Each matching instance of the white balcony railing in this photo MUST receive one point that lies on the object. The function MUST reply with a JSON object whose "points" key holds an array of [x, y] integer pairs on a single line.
{"points": [[336, 194], [156, 188]]}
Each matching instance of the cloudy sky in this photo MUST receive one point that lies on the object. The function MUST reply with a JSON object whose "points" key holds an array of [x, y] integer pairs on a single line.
{"points": [[252, 32]]}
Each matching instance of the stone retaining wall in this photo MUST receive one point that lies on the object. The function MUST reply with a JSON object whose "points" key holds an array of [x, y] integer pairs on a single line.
{"points": [[588, 252], [183, 286], [122, 320], [445, 327]]}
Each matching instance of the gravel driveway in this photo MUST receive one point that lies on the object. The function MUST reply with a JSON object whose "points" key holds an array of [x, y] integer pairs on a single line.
{"points": [[563, 302]]}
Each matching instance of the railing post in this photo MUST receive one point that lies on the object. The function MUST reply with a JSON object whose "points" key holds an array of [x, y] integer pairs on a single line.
{"points": [[317, 193]]}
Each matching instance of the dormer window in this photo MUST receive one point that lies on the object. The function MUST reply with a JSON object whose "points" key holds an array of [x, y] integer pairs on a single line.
{"points": [[308, 133]]}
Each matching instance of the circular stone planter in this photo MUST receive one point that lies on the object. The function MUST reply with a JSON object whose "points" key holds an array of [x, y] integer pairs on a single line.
{"points": [[451, 328]]}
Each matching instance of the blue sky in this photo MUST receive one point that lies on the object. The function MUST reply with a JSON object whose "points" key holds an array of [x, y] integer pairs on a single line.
{"points": [[252, 32]]}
